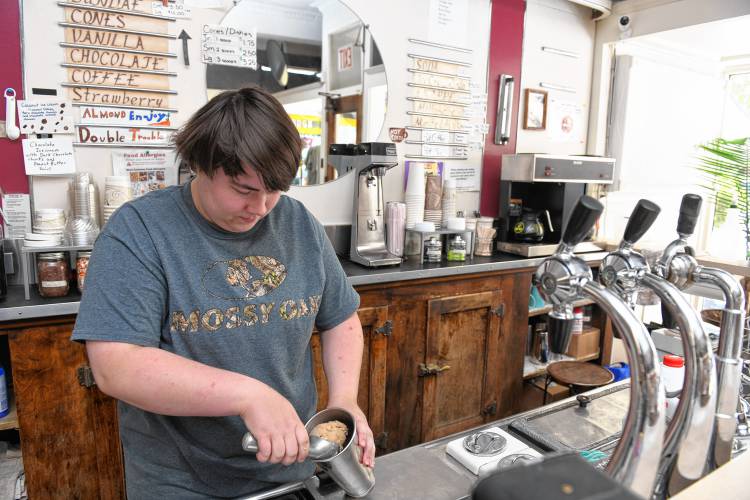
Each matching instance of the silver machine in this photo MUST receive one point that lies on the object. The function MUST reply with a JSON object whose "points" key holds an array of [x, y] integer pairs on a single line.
{"points": [[564, 278], [688, 437], [369, 161]]}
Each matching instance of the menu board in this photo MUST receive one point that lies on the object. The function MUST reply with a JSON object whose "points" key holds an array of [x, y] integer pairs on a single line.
{"points": [[117, 65], [229, 46]]}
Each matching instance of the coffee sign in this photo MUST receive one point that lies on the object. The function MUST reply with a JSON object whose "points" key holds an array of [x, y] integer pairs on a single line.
{"points": [[397, 134]]}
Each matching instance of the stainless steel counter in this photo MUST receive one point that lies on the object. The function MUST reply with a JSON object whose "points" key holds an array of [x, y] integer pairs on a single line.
{"points": [[14, 307]]}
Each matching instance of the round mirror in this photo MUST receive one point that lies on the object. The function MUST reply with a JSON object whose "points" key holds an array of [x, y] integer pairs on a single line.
{"points": [[319, 60]]}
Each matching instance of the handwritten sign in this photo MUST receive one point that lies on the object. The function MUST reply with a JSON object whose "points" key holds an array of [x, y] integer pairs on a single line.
{"points": [[45, 117], [114, 20], [115, 40], [346, 61], [174, 8], [438, 109], [115, 59], [434, 122], [446, 82], [117, 136], [229, 46], [124, 5], [115, 78], [48, 156], [102, 115], [436, 151], [440, 67], [440, 95], [123, 97]]}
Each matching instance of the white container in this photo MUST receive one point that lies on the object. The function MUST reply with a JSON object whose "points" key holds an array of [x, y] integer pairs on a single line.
{"points": [[673, 375]]}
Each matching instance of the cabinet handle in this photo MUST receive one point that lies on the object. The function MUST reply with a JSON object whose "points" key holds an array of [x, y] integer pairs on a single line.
{"points": [[504, 109], [386, 330], [86, 376], [431, 369]]}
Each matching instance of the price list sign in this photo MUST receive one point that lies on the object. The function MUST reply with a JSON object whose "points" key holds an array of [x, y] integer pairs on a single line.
{"points": [[229, 46]]}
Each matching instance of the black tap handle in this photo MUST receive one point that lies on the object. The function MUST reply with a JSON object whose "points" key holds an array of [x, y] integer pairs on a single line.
{"points": [[690, 208], [583, 218], [641, 219]]}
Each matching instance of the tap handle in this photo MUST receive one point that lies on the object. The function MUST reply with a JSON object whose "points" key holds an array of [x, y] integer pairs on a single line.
{"points": [[690, 208], [641, 219], [583, 218]]}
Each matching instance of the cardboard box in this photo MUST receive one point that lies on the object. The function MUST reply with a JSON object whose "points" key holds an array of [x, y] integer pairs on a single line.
{"points": [[584, 344]]}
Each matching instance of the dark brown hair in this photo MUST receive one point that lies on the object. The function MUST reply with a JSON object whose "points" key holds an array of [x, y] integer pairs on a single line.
{"points": [[242, 127]]}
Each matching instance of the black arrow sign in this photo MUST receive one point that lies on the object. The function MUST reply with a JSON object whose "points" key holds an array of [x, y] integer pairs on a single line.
{"points": [[185, 37]]}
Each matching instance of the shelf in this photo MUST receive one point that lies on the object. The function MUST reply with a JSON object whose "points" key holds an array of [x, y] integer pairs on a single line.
{"points": [[62, 248], [10, 421], [545, 309]]}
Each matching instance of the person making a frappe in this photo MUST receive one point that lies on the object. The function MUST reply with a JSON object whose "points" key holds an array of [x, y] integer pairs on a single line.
{"points": [[199, 308]]}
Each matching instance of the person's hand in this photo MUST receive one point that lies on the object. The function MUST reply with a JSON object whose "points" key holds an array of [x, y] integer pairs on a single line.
{"points": [[365, 439], [274, 423]]}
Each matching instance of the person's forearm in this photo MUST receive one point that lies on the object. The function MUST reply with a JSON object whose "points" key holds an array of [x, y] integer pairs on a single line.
{"points": [[161, 382], [342, 359]]}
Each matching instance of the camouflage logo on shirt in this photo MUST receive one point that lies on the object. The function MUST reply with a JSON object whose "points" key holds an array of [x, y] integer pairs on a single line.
{"points": [[240, 280]]}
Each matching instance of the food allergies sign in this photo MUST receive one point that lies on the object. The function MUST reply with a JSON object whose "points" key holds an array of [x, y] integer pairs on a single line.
{"points": [[103, 115]]}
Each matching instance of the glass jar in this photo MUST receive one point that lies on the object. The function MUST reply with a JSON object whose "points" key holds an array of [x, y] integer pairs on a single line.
{"points": [[52, 274], [433, 250], [456, 249], [82, 265]]}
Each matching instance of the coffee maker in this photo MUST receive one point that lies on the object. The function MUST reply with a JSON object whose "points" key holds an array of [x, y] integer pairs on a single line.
{"points": [[369, 161], [537, 196]]}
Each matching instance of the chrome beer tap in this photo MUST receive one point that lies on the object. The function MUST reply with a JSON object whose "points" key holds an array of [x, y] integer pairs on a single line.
{"points": [[564, 278], [688, 436], [679, 266]]}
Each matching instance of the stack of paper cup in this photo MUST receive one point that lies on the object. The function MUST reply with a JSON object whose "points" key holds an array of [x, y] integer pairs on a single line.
{"points": [[84, 196], [449, 199], [117, 190], [395, 221], [415, 195], [49, 221]]}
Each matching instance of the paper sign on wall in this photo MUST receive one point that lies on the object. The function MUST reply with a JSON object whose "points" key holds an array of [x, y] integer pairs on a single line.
{"points": [[45, 117], [448, 22], [346, 60], [229, 46], [17, 210], [49, 156], [565, 122], [118, 136], [148, 170], [468, 177], [102, 115], [174, 8]]}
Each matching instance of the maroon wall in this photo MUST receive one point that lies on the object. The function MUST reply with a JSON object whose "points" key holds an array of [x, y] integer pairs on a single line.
{"points": [[506, 42], [12, 176]]}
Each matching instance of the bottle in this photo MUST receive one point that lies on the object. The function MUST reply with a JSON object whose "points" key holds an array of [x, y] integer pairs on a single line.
{"points": [[673, 374], [4, 408], [577, 320], [433, 250], [456, 250]]}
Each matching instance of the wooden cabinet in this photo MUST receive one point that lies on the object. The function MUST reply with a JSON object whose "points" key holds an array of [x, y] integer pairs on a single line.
{"points": [[461, 385], [69, 436], [376, 329]]}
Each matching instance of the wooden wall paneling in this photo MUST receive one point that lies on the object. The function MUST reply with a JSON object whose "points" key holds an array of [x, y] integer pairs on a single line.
{"points": [[463, 336], [70, 450]]}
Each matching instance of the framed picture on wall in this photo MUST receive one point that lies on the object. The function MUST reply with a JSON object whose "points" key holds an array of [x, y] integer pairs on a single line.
{"points": [[535, 109]]}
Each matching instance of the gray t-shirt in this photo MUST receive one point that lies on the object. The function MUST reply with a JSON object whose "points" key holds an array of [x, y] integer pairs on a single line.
{"points": [[162, 276]]}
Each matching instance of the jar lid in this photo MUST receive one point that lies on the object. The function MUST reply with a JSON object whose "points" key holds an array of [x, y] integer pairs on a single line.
{"points": [[673, 361], [84, 254], [51, 256]]}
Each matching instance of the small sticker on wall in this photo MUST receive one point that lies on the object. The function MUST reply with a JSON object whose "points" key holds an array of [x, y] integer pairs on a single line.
{"points": [[397, 134], [45, 117]]}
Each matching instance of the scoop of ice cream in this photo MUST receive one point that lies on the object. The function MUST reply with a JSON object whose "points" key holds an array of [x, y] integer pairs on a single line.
{"points": [[333, 431]]}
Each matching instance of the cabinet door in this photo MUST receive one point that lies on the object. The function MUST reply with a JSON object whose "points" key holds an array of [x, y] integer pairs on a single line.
{"points": [[69, 436], [461, 373], [371, 396]]}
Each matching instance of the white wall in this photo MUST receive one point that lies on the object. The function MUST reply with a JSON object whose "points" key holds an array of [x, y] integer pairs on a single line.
{"points": [[391, 23], [646, 16]]}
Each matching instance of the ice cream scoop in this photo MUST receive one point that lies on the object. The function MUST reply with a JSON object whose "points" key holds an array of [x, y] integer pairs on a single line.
{"points": [[320, 449]]}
